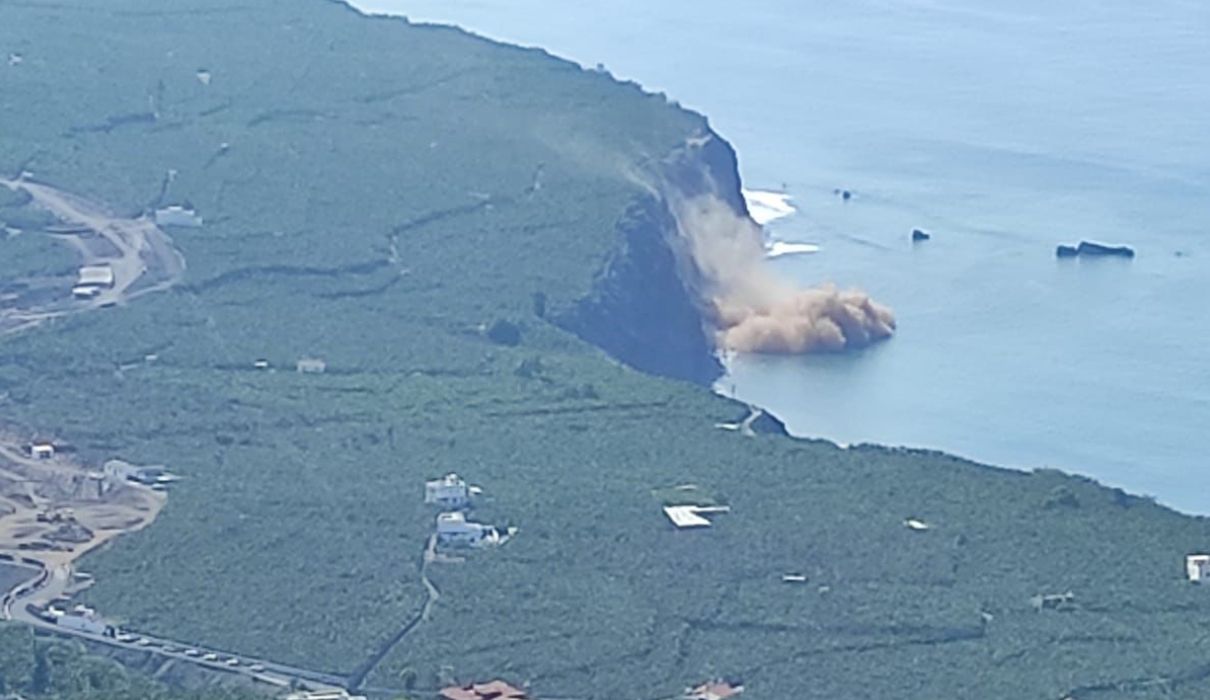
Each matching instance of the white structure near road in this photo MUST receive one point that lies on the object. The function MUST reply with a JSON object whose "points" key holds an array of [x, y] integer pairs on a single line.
{"points": [[450, 491], [1197, 567], [85, 619], [42, 450], [177, 215], [148, 476], [95, 276]]}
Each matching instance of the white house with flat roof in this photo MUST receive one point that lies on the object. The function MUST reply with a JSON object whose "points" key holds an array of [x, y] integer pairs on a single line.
{"points": [[1197, 567], [450, 491], [311, 365], [95, 276], [453, 528], [42, 450]]}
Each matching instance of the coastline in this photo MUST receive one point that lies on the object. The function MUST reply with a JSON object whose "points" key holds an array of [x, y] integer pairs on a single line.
{"points": [[598, 596]]}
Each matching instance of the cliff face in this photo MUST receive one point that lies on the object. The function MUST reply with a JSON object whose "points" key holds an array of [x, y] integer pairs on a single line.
{"points": [[642, 309]]}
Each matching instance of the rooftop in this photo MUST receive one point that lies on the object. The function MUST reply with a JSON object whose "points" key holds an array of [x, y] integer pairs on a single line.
{"points": [[692, 516], [494, 690]]}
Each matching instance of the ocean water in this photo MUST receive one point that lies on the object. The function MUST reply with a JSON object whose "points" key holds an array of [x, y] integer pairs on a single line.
{"points": [[1003, 129]]}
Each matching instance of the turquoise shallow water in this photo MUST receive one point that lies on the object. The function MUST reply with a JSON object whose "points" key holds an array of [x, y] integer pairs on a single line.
{"points": [[1003, 132]]}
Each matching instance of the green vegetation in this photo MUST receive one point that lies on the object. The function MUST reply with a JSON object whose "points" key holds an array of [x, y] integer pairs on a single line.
{"points": [[369, 192], [37, 669]]}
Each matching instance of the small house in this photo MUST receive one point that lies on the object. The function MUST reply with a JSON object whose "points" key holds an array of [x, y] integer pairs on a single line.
{"points": [[176, 215], [1197, 567], [454, 529], [95, 276], [311, 365], [42, 450], [450, 491]]}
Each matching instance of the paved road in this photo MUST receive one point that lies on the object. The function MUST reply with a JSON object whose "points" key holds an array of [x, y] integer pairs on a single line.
{"points": [[56, 582]]}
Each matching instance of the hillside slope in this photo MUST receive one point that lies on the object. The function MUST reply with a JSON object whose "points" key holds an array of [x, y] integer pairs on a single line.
{"points": [[382, 196]]}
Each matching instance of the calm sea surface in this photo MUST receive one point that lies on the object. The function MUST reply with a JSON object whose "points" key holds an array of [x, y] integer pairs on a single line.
{"points": [[1001, 128]]}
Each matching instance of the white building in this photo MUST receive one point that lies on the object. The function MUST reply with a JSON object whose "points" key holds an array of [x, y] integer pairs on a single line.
{"points": [[151, 475], [176, 215], [311, 365], [42, 450], [85, 619], [95, 276], [1197, 567], [453, 528], [692, 516], [450, 491]]}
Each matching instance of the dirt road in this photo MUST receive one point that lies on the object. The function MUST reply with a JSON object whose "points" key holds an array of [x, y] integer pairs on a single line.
{"points": [[55, 511], [140, 254]]}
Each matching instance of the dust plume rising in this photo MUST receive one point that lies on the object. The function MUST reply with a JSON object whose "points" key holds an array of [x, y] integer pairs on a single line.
{"points": [[754, 308]]}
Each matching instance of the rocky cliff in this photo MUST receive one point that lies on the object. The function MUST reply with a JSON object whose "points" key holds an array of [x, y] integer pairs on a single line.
{"points": [[642, 309]]}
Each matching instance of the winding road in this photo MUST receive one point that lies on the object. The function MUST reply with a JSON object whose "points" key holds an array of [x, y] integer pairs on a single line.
{"points": [[140, 254]]}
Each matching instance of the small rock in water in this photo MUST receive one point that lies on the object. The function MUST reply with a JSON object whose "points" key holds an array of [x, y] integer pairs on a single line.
{"points": [[1091, 249], [919, 235]]}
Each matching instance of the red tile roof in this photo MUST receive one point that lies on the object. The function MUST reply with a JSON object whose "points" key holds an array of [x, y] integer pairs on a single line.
{"points": [[495, 690], [456, 693]]}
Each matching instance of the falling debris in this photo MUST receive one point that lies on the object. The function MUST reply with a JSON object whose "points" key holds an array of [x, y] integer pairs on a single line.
{"points": [[751, 306]]}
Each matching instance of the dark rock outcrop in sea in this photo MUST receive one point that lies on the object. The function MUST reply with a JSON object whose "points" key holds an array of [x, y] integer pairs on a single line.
{"points": [[919, 235], [1091, 249]]}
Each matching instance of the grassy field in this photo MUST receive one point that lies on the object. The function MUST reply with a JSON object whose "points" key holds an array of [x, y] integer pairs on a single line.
{"points": [[369, 192]]}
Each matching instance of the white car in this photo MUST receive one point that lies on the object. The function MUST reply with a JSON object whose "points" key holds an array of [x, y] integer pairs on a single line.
{"points": [[126, 637], [192, 652], [256, 668], [232, 662], [143, 642], [210, 657]]}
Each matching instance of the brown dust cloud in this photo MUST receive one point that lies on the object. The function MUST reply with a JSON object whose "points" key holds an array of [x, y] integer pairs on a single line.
{"points": [[755, 309]]}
